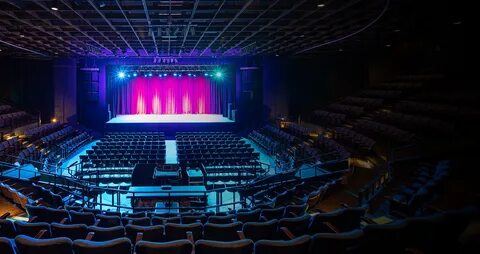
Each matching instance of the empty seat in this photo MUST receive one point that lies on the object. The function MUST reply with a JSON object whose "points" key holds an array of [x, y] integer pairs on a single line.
{"points": [[381, 238], [7, 229], [295, 210], [221, 219], [116, 246], [274, 213], [32, 229], [344, 220], [172, 247], [214, 247], [249, 216], [222, 232], [260, 230], [150, 233], [164, 220], [179, 231], [105, 234], [297, 226], [298, 245], [72, 231], [108, 221], [347, 242], [29, 245], [188, 219], [86, 218], [6, 246], [144, 221]]}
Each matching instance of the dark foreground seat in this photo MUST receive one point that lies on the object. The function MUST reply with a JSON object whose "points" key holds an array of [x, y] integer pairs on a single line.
{"points": [[29, 245], [173, 247], [6, 246], [213, 247], [298, 245], [116, 246]]}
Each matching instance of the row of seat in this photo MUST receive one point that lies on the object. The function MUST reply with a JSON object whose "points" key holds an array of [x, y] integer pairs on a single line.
{"points": [[56, 136], [415, 122], [388, 131], [357, 139], [266, 142], [279, 135], [346, 109], [330, 145], [362, 101], [9, 119], [329, 118], [42, 130]]}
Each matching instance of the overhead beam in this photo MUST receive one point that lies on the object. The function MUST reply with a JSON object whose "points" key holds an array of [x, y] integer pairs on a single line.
{"points": [[131, 27], [22, 48], [195, 5], [145, 10], [206, 29], [245, 6]]}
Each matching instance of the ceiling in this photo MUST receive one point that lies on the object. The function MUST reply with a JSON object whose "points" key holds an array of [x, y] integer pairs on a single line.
{"points": [[144, 28]]}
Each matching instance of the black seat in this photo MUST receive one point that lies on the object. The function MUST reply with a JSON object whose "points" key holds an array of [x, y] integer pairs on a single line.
{"points": [[381, 238], [260, 230], [344, 220], [6, 246], [143, 221], [188, 219], [86, 218], [222, 232], [32, 229], [7, 229], [221, 219], [173, 247], [347, 242], [298, 245], [116, 246], [135, 215], [213, 247], [29, 245], [249, 216], [295, 210], [72, 231], [150, 233], [297, 226], [37, 213], [164, 220], [92, 210], [108, 221], [179, 231], [57, 215], [106, 234], [274, 213]]}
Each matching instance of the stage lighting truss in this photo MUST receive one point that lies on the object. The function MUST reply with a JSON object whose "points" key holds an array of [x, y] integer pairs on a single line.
{"points": [[215, 71]]}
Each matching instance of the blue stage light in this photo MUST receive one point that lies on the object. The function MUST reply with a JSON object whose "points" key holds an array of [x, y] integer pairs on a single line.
{"points": [[164, 74], [175, 74], [206, 74], [135, 74], [121, 74], [218, 74], [189, 74], [180, 74], [128, 75], [150, 74]]}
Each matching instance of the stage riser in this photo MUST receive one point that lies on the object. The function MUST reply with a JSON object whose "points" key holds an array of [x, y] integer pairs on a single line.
{"points": [[170, 129]]}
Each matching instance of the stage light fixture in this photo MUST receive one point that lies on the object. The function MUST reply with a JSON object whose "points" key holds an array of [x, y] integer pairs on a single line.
{"points": [[164, 74], [189, 74], [175, 74], [128, 75], [218, 74], [206, 74], [150, 74], [54, 8], [135, 74], [121, 74], [180, 74]]}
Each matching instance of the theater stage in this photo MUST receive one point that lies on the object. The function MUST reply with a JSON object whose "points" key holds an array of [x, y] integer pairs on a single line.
{"points": [[170, 124]]}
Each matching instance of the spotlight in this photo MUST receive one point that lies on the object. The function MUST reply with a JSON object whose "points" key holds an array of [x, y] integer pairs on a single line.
{"points": [[54, 120], [145, 75], [164, 74], [180, 74], [160, 75], [135, 74], [320, 5], [128, 75], [194, 75], [121, 74], [218, 74], [206, 74], [150, 74], [54, 8], [175, 74], [189, 74]]}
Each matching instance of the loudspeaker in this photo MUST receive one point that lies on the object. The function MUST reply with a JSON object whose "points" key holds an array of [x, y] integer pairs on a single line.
{"points": [[234, 112]]}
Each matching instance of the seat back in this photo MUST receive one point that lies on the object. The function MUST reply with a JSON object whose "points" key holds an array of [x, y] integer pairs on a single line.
{"points": [[164, 220], [298, 225], [295, 210], [337, 242], [57, 215], [298, 245], [150, 233], [116, 246], [172, 247], [379, 238], [188, 219], [214, 247], [7, 229], [222, 232], [86, 218], [274, 213], [260, 230], [72, 231], [144, 221], [6, 246], [179, 231], [106, 234], [108, 221], [221, 219], [30, 245], [250, 216], [32, 229]]}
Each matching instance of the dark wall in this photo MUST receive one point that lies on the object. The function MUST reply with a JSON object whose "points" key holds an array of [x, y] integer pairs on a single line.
{"points": [[296, 86], [28, 84]]}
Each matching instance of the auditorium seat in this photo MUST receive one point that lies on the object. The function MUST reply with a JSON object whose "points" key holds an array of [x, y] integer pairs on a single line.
{"points": [[214, 247], [33, 229], [172, 247], [221, 219], [6, 246], [106, 234], [29, 245], [342, 220], [72, 231], [148, 233], [188, 219], [337, 243], [381, 238], [7, 229], [249, 216], [108, 221], [297, 226], [86, 218], [222, 232], [117, 246], [145, 221], [164, 220], [298, 245], [274, 213], [295, 210], [179, 231], [260, 230]]}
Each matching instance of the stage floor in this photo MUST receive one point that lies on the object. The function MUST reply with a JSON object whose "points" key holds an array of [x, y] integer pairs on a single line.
{"points": [[183, 118]]}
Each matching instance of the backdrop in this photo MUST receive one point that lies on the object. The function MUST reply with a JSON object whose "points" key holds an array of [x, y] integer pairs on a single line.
{"points": [[168, 95]]}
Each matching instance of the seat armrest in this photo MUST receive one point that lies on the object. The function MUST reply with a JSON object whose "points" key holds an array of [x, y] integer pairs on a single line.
{"points": [[190, 237], [90, 236], [367, 220], [32, 219], [241, 235], [263, 218], [64, 220], [4, 216], [293, 214], [332, 227], [139, 237], [97, 221], [287, 232], [40, 234]]}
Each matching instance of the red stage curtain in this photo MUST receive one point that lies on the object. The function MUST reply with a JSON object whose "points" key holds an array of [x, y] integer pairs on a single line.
{"points": [[168, 95]]}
